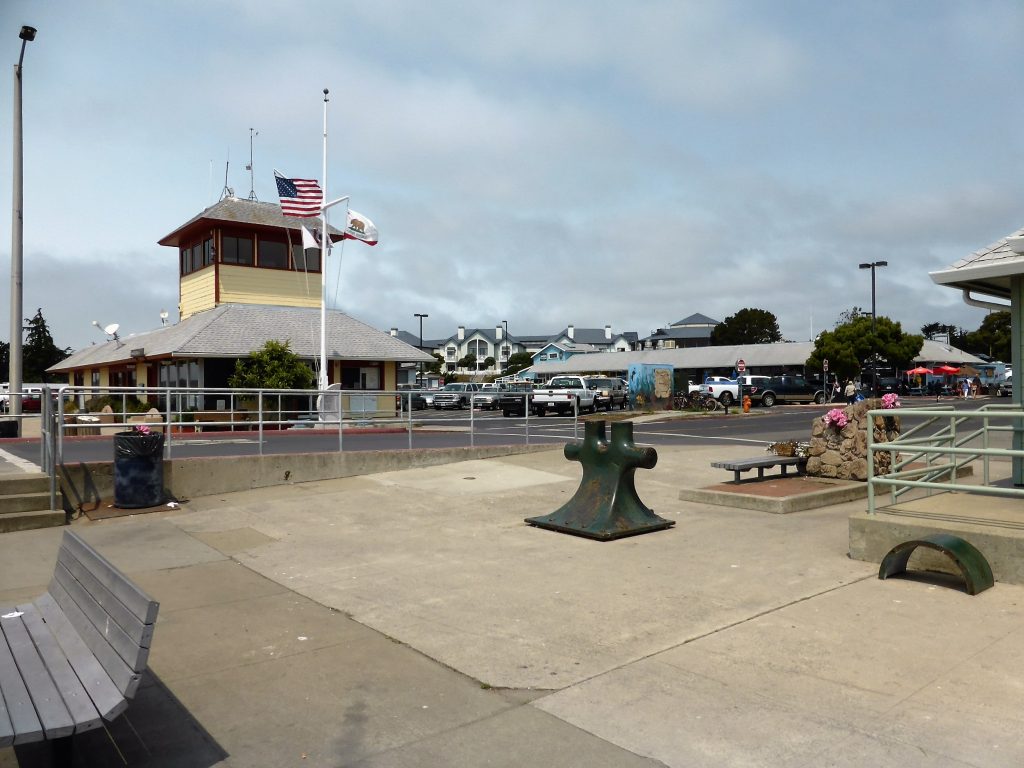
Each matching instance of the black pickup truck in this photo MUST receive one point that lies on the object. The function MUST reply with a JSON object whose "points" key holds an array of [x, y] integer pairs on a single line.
{"points": [[515, 399]]}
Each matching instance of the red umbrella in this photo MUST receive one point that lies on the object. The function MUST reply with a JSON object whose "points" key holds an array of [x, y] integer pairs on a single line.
{"points": [[946, 369], [919, 371]]}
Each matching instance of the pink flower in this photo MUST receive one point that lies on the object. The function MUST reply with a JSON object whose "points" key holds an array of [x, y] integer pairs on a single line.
{"points": [[891, 400], [140, 429], [836, 418]]}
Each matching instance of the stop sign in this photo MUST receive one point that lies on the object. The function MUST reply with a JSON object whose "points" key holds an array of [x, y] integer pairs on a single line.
{"points": [[741, 366]]}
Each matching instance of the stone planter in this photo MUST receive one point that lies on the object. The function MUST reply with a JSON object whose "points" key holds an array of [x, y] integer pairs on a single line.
{"points": [[843, 453]]}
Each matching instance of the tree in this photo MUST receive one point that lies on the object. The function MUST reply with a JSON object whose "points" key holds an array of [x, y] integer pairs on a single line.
{"points": [[853, 345], [992, 338], [489, 362], [851, 314], [39, 352], [437, 366], [748, 326], [955, 336], [274, 366], [469, 361], [518, 362]]}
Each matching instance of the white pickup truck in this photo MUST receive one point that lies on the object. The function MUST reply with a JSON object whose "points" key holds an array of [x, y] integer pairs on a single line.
{"points": [[726, 391], [564, 394]]}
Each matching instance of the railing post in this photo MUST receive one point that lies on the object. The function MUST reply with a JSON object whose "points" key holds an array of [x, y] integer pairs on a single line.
{"points": [[410, 420], [526, 416], [259, 412]]}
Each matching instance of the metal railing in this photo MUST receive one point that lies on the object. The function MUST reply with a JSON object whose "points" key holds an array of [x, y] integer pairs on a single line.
{"points": [[939, 442]]}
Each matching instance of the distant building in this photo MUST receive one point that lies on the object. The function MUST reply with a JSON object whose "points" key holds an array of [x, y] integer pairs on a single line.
{"points": [[244, 279], [692, 331]]}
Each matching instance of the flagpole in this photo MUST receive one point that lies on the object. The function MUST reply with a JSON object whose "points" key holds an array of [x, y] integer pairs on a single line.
{"points": [[324, 240]]}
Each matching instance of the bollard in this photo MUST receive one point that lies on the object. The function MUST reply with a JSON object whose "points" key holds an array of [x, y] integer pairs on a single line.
{"points": [[606, 505]]}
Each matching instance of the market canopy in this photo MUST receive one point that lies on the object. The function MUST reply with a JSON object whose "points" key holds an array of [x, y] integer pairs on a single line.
{"points": [[946, 369], [919, 371]]}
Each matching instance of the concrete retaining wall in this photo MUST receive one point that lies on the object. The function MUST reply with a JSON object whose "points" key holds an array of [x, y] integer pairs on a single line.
{"points": [[187, 478]]}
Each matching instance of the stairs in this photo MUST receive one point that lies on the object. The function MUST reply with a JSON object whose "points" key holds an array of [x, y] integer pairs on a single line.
{"points": [[25, 501]]}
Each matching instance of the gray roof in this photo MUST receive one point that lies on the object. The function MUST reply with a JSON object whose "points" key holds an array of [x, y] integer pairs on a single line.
{"points": [[988, 270], [235, 330], [699, 332], [250, 212], [695, 319], [594, 336], [781, 354]]}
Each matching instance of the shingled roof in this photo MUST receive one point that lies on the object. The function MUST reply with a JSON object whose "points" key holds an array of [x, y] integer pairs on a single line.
{"points": [[235, 330], [249, 212], [988, 270]]}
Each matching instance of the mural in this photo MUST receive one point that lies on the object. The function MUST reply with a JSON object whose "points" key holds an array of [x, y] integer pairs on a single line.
{"points": [[650, 386]]}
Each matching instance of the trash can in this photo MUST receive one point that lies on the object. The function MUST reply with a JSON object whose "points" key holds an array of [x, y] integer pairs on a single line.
{"points": [[9, 428], [138, 469]]}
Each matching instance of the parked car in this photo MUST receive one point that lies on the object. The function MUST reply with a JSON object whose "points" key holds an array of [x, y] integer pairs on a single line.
{"points": [[791, 389], [1006, 386], [487, 398], [516, 399], [608, 392], [411, 399], [754, 386], [455, 395]]}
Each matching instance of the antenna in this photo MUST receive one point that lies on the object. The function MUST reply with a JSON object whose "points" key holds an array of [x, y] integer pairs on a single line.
{"points": [[253, 133], [227, 191], [163, 317]]}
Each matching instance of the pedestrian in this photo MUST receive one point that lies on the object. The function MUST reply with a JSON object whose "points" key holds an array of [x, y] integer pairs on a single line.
{"points": [[965, 385], [850, 392]]}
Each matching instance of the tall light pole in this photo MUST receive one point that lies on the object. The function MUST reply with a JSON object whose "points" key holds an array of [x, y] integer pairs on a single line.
{"points": [[506, 345], [27, 35], [874, 341], [421, 316]]}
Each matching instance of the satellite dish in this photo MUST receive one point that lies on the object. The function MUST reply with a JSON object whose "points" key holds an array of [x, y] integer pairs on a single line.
{"points": [[111, 329]]}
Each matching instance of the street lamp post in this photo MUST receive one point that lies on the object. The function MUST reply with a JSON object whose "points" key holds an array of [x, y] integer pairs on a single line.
{"points": [[874, 340], [506, 345], [27, 35], [421, 316]]}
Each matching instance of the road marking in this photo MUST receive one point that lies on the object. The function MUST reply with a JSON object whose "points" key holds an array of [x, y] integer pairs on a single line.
{"points": [[23, 464]]}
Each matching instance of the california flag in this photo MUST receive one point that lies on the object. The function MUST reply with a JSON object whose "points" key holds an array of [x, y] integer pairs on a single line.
{"points": [[360, 228]]}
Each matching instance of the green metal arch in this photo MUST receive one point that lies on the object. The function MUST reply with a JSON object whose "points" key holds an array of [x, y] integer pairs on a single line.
{"points": [[973, 567]]}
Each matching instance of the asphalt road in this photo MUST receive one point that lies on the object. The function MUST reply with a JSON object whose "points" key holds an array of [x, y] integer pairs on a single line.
{"points": [[437, 429]]}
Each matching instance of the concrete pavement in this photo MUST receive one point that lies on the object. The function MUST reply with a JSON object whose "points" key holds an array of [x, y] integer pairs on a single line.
{"points": [[411, 618]]}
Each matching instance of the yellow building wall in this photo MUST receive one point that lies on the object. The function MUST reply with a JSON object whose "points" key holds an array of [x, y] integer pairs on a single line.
{"points": [[197, 292], [252, 285]]}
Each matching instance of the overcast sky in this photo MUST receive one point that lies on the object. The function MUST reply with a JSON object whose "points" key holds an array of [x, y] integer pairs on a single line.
{"points": [[545, 163]]}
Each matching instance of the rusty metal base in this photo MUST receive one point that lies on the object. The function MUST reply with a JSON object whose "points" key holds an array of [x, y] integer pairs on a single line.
{"points": [[605, 529]]}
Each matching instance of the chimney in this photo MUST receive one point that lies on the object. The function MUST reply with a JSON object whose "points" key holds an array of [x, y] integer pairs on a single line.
{"points": [[570, 331], [608, 332], [497, 332], [462, 333], [394, 331]]}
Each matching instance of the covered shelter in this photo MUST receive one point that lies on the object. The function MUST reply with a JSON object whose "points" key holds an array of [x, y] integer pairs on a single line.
{"points": [[997, 272]]}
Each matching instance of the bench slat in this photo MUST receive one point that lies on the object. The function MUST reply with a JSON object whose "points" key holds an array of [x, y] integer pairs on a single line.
{"points": [[72, 591], [103, 692], [76, 698], [24, 722], [140, 633], [50, 709], [120, 673], [134, 598]]}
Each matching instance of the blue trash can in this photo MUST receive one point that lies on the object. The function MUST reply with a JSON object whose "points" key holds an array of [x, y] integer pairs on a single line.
{"points": [[138, 470]]}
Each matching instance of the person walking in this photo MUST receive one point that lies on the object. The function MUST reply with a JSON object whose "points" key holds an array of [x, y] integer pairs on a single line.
{"points": [[850, 391], [965, 385]]}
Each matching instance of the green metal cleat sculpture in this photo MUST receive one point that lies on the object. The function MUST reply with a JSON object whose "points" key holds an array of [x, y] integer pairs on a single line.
{"points": [[606, 505]]}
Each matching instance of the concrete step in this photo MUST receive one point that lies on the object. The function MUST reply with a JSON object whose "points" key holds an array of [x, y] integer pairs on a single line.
{"points": [[26, 502], [25, 521], [23, 483]]}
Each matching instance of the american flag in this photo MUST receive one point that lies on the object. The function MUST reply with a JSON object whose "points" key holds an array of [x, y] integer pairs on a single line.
{"points": [[299, 197]]}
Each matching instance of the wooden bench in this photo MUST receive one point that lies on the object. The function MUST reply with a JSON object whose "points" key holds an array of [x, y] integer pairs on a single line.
{"points": [[72, 659], [761, 463]]}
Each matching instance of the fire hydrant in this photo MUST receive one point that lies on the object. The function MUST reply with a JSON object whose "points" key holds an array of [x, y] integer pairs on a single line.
{"points": [[746, 403]]}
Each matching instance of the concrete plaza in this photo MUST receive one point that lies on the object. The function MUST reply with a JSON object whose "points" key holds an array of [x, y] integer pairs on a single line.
{"points": [[411, 618]]}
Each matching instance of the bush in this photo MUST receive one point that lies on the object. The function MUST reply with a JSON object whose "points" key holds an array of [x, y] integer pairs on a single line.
{"points": [[131, 403]]}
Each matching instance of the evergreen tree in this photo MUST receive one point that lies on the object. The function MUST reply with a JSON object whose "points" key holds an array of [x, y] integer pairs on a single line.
{"points": [[39, 352], [518, 361], [992, 338], [852, 346], [748, 326]]}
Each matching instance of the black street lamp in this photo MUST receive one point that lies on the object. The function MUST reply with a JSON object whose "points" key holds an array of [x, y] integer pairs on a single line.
{"points": [[421, 316], [15, 384], [874, 340]]}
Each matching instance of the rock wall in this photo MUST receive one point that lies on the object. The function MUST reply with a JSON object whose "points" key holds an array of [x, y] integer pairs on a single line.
{"points": [[843, 453]]}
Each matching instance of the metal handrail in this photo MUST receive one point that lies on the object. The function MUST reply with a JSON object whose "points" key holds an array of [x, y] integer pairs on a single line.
{"points": [[944, 451]]}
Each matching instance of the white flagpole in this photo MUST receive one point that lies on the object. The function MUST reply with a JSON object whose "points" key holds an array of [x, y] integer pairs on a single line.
{"points": [[322, 383]]}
